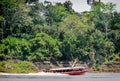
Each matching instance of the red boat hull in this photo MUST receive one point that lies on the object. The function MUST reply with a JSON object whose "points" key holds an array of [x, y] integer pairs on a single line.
{"points": [[70, 70], [75, 73]]}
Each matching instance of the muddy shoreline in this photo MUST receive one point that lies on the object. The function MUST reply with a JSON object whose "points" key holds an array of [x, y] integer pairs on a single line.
{"points": [[42, 67], [32, 74]]}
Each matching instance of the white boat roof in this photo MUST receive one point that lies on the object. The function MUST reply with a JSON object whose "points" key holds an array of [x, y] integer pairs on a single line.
{"points": [[65, 68]]}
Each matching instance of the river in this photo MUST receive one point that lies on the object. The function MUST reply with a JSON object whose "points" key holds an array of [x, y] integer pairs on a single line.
{"points": [[86, 77]]}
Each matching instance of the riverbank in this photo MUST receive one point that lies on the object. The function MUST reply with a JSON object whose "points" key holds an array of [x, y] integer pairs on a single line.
{"points": [[31, 74], [108, 68], [23, 67]]}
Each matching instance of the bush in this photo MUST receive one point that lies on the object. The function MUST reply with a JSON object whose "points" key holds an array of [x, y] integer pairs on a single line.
{"points": [[18, 67], [2, 57]]}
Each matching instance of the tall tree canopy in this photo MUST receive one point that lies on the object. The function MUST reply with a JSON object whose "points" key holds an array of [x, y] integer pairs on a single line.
{"points": [[34, 32]]}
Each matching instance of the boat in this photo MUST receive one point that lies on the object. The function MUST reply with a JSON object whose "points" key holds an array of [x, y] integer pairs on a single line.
{"points": [[70, 70]]}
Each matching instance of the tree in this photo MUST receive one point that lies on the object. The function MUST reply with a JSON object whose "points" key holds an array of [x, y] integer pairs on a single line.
{"points": [[114, 35], [68, 47], [21, 21], [2, 20], [68, 4], [55, 13], [2, 48], [44, 47], [31, 1], [16, 48], [16, 19], [103, 49], [7, 10], [102, 14], [93, 1], [36, 13], [74, 33]]}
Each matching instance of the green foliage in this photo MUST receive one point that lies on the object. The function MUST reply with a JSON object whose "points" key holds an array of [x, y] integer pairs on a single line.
{"points": [[19, 67], [2, 19], [74, 37], [16, 48], [2, 57], [7, 8], [44, 47], [68, 5], [101, 15], [55, 14], [43, 31], [21, 21], [115, 31], [36, 12]]}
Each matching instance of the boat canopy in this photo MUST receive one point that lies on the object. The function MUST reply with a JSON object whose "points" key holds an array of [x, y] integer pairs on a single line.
{"points": [[68, 68]]}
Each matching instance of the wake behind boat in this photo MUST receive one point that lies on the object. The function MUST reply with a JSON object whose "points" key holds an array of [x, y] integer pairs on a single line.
{"points": [[70, 70]]}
